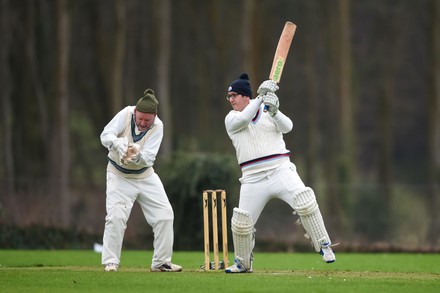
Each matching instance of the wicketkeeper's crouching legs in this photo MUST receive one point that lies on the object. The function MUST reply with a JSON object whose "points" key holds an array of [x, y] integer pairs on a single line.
{"points": [[243, 234], [306, 206]]}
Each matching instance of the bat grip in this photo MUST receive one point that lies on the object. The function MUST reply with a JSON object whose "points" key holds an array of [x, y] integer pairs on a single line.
{"points": [[266, 107]]}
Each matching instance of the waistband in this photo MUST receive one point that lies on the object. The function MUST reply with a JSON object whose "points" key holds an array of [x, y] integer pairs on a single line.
{"points": [[127, 171], [264, 159]]}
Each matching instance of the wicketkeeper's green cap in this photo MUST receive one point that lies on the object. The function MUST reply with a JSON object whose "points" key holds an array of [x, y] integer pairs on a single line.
{"points": [[148, 103]]}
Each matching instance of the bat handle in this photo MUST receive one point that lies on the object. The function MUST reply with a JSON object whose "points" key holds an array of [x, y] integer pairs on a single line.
{"points": [[266, 107]]}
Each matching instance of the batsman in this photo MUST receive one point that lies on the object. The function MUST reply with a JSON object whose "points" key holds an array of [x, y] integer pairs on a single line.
{"points": [[133, 138], [256, 127]]}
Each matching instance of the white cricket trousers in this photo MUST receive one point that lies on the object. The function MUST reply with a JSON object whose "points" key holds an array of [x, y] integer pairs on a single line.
{"points": [[258, 189], [150, 194]]}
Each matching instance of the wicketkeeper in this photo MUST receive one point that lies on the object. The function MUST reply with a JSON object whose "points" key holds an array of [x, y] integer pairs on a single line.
{"points": [[133, 138], [267, 171]]}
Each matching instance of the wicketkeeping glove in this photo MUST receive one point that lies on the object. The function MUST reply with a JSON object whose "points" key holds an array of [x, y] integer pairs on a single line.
{"points": [[133, 154], [272, 103], [121, 146], [267, 86]]}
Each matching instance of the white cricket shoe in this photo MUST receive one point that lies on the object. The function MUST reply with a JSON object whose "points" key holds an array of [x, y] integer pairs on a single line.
{"points": [[110, 267], [167, 267], [238, 267], [327, 253]]}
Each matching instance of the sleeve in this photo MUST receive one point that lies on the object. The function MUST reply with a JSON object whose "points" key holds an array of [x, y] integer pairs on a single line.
{"points": [[236, 121], [151, 147], [113, 129], [284, 124]]}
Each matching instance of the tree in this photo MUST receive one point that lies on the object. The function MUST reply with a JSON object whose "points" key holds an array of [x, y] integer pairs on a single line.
{"points": [[60, 155], [390, 42], [340, 158], [119, 56], [248, 40], [311, 76], [433, 104], [6, 81], [163, 70]]}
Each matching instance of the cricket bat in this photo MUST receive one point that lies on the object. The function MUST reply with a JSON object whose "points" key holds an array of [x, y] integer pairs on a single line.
{"points": [[281, 52]]}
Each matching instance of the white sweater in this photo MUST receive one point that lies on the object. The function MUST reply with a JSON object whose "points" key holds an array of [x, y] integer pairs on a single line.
{"points": [[258, 137], [122, 125]]}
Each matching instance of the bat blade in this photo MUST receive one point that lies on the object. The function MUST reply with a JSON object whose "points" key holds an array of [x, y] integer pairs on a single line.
{"points": [[282, 51]]}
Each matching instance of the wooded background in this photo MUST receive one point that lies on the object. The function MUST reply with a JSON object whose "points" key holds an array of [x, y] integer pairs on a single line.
{"points": [[361, 83]]}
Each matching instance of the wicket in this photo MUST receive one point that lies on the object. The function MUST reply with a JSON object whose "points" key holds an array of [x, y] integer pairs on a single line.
{"points": [[216, 265]]}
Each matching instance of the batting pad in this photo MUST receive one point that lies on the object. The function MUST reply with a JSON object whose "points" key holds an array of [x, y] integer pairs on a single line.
{"points": [[307, 208], [242, 228]]}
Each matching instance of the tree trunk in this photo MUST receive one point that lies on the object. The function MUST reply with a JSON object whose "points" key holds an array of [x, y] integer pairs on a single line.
{"points": [[340, 161], [36, 82], [163, 70], [119, 56], [433, 196], [392, 57], [248, 43], [348, 147], [60, 155], [311, 76], [8, 171]]}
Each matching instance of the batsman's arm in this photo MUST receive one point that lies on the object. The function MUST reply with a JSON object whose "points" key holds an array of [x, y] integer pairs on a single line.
{"points": [[236, 121], [284, 123]]}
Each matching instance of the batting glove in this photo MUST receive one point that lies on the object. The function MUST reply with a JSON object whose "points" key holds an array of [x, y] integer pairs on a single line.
{"points": [[272, 103], [121, 146], [267, 86]]}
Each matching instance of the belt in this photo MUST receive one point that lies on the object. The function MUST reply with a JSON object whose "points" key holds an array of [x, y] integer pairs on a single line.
{"points": [[263, 159]]}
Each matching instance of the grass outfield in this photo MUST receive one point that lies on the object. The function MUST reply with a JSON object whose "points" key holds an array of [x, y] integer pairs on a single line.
{"points": [[80, 271]]}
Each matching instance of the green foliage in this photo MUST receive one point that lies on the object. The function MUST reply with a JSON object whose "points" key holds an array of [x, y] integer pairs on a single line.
{"points": [[391, 115], [371, 212], [89, 156], [401, 220], [188, 174], [185, 176], [41, 237]]}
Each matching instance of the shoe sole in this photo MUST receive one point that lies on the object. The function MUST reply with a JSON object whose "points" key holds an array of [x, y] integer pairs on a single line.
{"points": [[164, 271], [114, 269], [328, 261], [242, 272]]}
